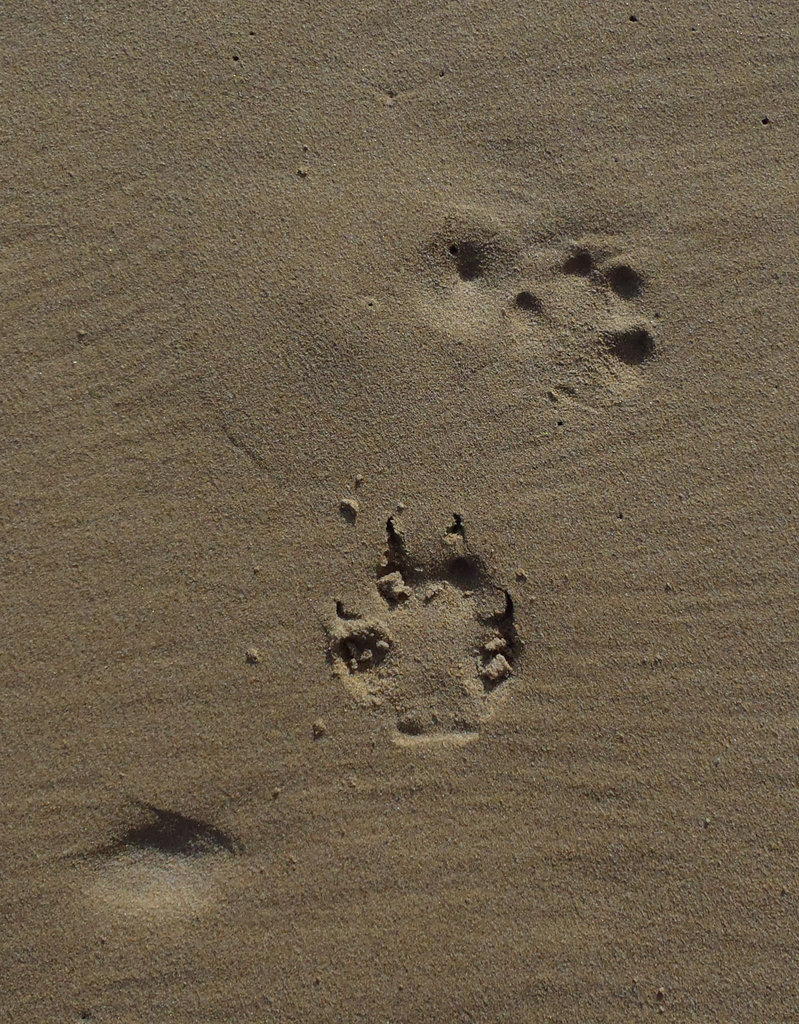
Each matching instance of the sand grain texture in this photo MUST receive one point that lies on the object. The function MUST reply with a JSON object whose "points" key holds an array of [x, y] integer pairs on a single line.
{"points": [[270, 272]]}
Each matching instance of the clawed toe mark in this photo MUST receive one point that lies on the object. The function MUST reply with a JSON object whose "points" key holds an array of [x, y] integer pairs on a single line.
{"points": [[528, 302], [579, 262]]}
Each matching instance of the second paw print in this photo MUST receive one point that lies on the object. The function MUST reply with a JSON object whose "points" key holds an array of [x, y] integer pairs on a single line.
{"points": [[574, 312], [586, 304]]}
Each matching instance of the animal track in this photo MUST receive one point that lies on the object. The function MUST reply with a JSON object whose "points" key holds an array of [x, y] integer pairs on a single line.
{"points": [[594, 322], [585, 311], [436, 642], [162, 863], [573, 311]]}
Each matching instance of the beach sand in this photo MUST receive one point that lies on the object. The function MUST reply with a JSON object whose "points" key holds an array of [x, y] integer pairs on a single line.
{"points": [[399, 493]]}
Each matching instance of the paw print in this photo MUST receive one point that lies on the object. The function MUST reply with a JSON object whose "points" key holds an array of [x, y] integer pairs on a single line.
{"points": [[572, 311], [434, 644], [589, 302]]}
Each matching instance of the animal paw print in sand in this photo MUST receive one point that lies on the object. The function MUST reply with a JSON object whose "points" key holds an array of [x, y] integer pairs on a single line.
{"points": [[594, 296], [573, 311], [433, 645]]}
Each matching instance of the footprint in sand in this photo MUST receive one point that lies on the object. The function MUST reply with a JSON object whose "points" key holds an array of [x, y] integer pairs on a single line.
{"points": [[608, 301], [433, 644], [571, 308], [163, 864]]}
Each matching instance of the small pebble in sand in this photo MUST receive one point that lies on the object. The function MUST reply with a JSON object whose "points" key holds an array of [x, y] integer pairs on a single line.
{"points": [[253, 656], [393, 588], [496, 670], [495, 645], [318, 729], [349, 509], [431, 592]]}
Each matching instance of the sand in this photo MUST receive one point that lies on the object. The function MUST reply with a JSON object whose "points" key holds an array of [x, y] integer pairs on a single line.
{"points": [[399, 495]]}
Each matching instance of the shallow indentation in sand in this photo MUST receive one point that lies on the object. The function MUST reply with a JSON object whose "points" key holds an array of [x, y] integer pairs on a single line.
{"points": [[163, 863], [153, 885]]}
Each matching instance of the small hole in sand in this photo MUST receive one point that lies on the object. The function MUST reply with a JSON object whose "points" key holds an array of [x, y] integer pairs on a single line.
{"points": [[632, 346], [528, 302], [580, 262], [625, 281], [456, 526]]}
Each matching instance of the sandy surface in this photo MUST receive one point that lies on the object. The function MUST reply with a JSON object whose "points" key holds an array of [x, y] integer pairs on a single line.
{"points": [[511, 734]]}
